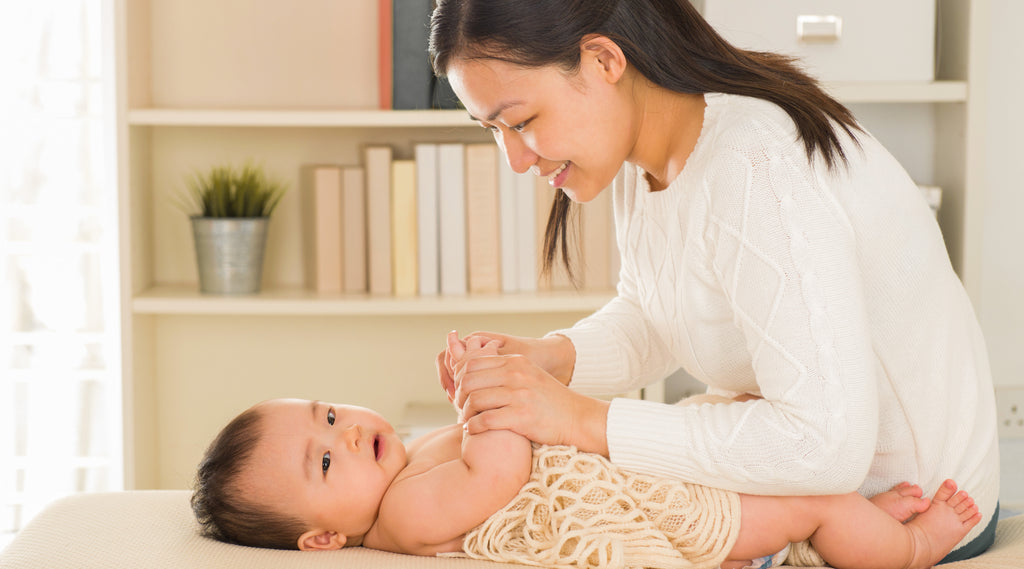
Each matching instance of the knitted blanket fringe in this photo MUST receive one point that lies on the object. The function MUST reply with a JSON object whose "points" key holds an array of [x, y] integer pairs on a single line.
{"points": [[579, 510]]}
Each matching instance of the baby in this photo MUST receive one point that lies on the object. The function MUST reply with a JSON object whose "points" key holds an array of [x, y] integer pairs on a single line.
{"points": [[309, 475]]}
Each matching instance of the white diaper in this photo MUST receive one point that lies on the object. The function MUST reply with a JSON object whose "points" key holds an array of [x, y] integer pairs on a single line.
{"points": [[769, 561]]}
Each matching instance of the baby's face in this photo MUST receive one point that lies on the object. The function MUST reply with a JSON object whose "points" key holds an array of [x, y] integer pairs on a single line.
{"points": [[326, 463]]}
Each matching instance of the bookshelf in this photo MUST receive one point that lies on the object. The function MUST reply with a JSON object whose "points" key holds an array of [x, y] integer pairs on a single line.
{"points": [[195, 89]]}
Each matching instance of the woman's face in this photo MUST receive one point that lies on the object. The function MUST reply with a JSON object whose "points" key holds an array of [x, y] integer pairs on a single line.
{"points": [[573, 130]]}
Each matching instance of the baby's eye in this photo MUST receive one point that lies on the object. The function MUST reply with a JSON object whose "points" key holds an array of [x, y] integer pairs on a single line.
{"points": [[326, 462], [330, 416]]}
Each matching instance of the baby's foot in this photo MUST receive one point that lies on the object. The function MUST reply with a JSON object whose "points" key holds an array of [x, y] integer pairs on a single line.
{"points": [[937, 530], [903, 502]]}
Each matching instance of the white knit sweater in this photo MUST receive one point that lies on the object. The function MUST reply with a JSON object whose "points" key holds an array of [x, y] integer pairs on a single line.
{"points": [[830, 295]]}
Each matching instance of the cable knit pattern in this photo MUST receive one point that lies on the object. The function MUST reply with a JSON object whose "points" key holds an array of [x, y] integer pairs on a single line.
{"points": [[578, 510], [828, 293]]}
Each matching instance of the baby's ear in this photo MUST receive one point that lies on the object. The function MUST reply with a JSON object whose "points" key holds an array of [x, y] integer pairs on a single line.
{"points": [[320, 540]]}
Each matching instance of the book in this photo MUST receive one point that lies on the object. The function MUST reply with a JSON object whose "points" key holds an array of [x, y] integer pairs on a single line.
{"points": [[353, 210], [452, 218], [427, 217], [327, 220], [378, 218], [597, 242], [526, 233], [482, 239], [384, 57], [412, 78], [321, 189], [508, 226], [404, 261]]}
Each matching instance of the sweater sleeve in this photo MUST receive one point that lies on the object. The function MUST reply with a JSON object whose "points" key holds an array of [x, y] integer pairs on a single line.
{"points": [[784, 258]]}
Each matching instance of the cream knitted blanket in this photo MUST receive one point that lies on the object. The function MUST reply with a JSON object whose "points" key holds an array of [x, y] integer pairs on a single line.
{"points": [[579, 510]]}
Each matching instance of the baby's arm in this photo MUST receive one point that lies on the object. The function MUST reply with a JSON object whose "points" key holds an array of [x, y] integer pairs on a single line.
{"points": [[473, 477], [430, 511]]}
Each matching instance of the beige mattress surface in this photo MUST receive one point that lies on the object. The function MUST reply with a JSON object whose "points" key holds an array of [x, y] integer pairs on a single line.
{"points": [[156, 530]]}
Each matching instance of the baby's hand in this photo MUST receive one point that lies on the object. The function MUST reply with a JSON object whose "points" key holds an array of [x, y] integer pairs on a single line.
{"points": [[479, 346], [461, 352]]}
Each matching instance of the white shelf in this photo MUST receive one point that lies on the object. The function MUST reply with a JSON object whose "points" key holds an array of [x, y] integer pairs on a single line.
{"points": [[185, 299], [298, 118], [899, 92], [878, 92]]}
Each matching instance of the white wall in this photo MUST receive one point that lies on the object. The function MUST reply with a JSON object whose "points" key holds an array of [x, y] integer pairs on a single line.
{"points": [[999, 294]]}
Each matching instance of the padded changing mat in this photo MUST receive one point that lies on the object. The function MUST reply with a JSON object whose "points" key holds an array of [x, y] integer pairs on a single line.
{"points": [[155, 530]]}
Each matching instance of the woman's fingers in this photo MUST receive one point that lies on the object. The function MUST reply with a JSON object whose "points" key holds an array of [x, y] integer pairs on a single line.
{"points": [[483, 372]]}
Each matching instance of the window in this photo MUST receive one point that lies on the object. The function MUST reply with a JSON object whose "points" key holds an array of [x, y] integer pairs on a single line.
{"points": [[60, 375]]}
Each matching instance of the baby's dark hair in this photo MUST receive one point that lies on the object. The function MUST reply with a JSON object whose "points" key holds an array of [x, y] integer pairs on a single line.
{"points": [[219, 502]]}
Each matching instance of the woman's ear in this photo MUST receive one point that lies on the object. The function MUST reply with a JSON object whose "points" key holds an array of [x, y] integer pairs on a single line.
{"points": [[601, 54], [320, 540]]}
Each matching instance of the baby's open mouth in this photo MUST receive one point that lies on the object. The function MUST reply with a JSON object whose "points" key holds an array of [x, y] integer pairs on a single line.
{"points": [[378, 447]]}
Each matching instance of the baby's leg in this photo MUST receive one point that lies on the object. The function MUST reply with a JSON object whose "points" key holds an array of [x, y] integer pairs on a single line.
{"points": [[841, 527]]}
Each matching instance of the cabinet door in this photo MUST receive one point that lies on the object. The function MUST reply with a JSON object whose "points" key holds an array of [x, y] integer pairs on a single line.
{"points": [[863, 40]]}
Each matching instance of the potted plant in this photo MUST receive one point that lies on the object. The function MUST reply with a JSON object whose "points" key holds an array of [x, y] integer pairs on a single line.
{"points": [[230, 229]]}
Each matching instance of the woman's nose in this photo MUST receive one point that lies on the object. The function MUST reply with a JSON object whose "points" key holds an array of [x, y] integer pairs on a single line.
{"points": [[519, 156], [352, 435]]}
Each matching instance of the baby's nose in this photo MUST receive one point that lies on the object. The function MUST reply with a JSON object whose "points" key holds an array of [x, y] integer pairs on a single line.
{"points": [[353, 435]]}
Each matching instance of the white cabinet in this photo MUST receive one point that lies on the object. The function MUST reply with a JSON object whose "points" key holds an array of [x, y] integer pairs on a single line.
{"points": [[864, 40]]}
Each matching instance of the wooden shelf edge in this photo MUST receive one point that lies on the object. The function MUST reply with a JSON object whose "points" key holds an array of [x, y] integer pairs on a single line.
{"points": [[298, 118], [847, 92], [186, 300], [899, 91]]}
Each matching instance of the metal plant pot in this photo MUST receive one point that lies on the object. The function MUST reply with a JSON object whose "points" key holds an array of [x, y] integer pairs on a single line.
{"points": [[229, 252]]}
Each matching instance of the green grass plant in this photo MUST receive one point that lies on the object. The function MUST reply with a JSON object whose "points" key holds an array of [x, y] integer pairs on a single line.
{"points": [[226, 191]]}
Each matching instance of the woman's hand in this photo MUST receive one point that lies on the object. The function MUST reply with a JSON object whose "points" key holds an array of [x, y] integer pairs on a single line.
{"points": [[554, 354], [512, 392]]}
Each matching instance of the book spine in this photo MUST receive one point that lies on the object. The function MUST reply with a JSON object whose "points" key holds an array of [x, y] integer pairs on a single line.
{"points": [[597, 242], [327, 228], [411, 74], [526, 233], [452, 218], [403, 228], [384, 56], [508, 225], [483, 250], [427, 220], [354, 212], [378, 218]]}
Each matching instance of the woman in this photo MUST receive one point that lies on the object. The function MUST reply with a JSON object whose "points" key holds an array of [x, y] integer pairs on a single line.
{"points": [[769, 246]]}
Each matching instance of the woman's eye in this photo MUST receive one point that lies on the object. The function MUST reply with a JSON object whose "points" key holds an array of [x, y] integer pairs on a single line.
{"points": [[520, 127], [326, 462], [330, 416]]}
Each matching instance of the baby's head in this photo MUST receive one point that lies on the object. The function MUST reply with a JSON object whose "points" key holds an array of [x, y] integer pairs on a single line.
{"points": [[297, 474]]}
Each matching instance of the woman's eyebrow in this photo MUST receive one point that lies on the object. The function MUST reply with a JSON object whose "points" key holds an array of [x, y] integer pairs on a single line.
{"points": [[497, 112]]}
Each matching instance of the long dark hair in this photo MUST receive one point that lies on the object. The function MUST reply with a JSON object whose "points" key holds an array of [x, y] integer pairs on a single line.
{"points": [[219, 502], [667, 41]]}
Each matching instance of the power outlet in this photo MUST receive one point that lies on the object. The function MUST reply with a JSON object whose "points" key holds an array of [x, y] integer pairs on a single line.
{"points": [[1010, 412]]}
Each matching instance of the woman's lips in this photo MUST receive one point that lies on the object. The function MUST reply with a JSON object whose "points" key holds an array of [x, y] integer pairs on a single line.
{"points": [[557, 178]]}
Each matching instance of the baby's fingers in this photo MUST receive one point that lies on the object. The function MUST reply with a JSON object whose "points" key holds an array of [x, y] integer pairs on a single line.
{"points": [[444, 375]]}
